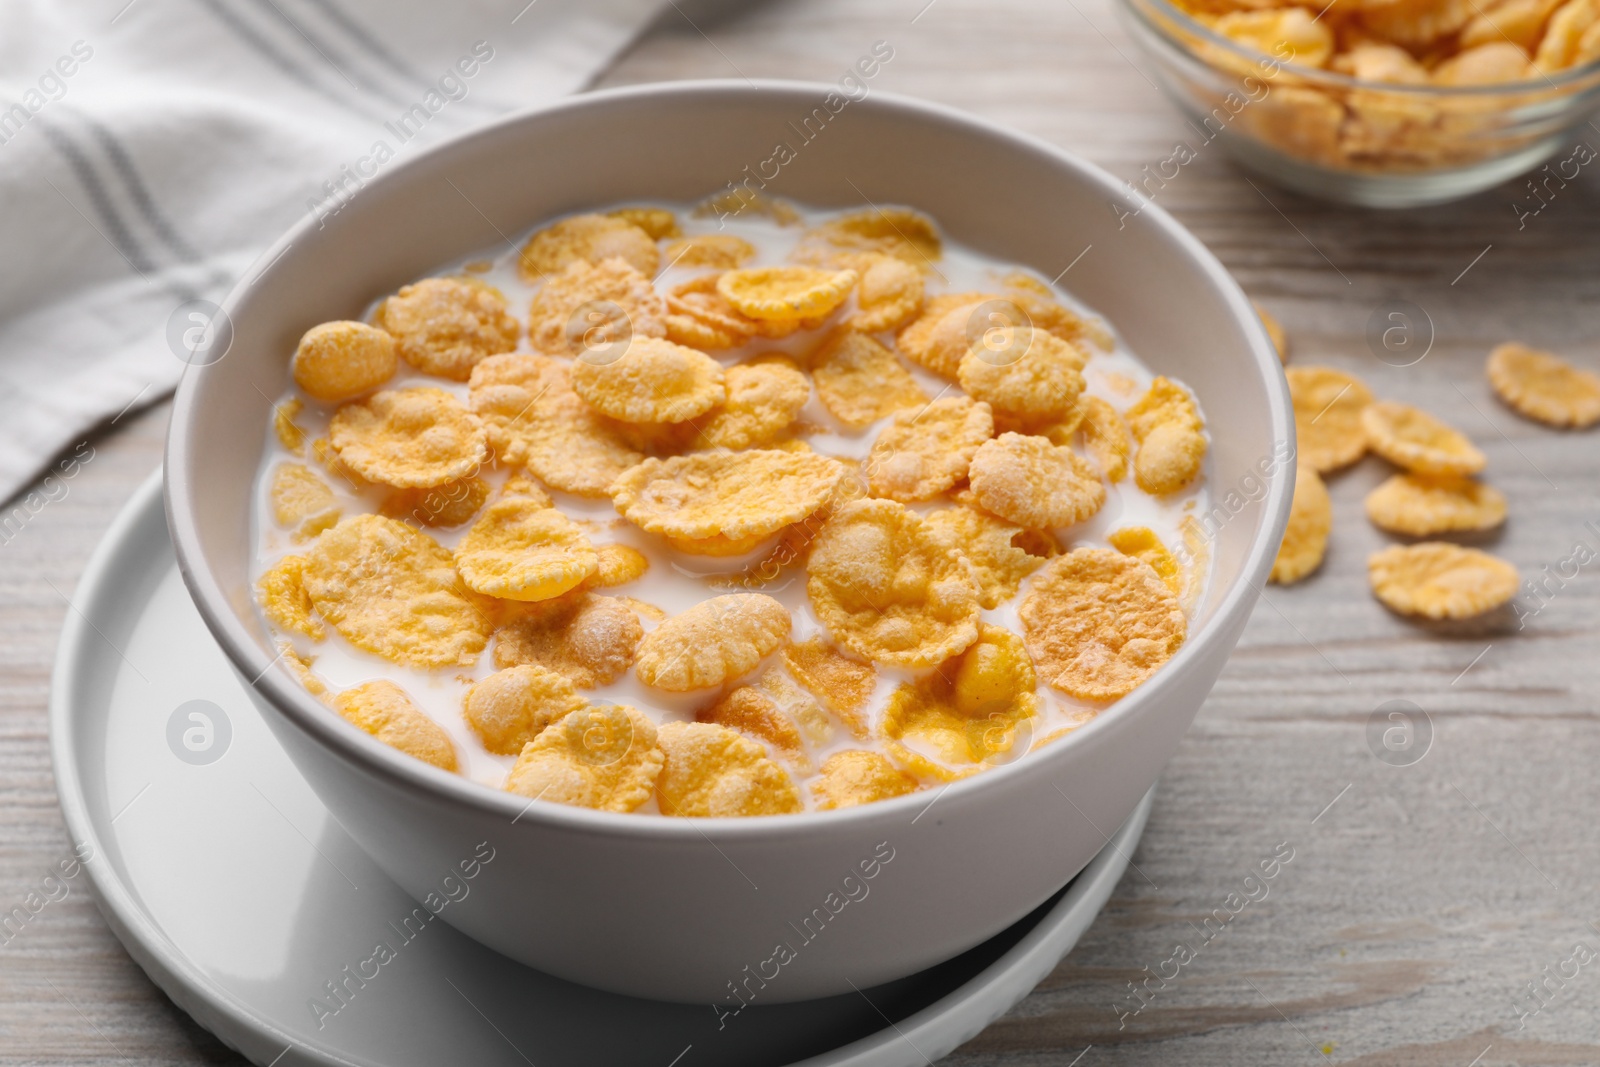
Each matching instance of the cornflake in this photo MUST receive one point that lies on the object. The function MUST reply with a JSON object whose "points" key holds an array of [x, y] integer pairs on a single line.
{"points": [[711, 771], [596, 307], [607, 758], [450, 504], [289, 433], [924, 452], [701, 317], [1544, 387], [889, 294], [533, 417], [1411, 438], [1437, 580], [302, 501], [756, 715], [1026, 373], [652, 380], [1099, 623], [409, 438], [970, 711], [281, 592], [1001, 553], [1305, 538], [856, 777], [519, 550], [1171, 442], [1105, 435], [939, 337], [591, 239], [588, 638], [658, 222], [1327, 416], [860, 381], [899, 232], [383, 710], [1418, 505], [1141, 543], [393, 591], [509, 708], [339, 361], [722, 251], [446, 326], [843, 683], [731, 494], [786, 293], [889, 589], [713, 642], [1035, 484], [764, 398], [617, 565]]}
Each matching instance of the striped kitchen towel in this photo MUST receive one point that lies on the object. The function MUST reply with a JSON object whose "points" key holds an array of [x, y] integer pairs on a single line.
{"points": [[151, 149]]}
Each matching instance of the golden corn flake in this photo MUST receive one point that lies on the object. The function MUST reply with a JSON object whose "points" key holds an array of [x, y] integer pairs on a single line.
{"points": [[1106, 437], [604, 757], [1023, 372], [301, 500], [281, 592], [383, 710], [1570, 39], [650, 380], [446, 326], [939, 337], [588, 238], [1519, 21], [1327, 416], [595, 307], [1411, 438], [719, 546], [590, 639], [509, 708], [1418, 505], [899, 232], [617, 565], [889, 294], [743, 199], [1305, 539], [860, 381], [1042, 310], [1437, 580], [710, 771], [300, 667], [524, 485], [786, 293], [339, 361], [290, 435], [722, 251], [533, 417], [658, 222], [1035, 484], [755, 714], [394, 591], [968, 712], [1141, 543], [1099, 623], [763, 400], [732, 494], [409, 438], [1172, 443], [713, 642], [843, 683], [888, 588], [701, 317], [924, 452], [1280, 340], [1486, 64], [1290, 33], [857, 777], [1544, 387], [999, 551], [450, 504], [519, 550]]}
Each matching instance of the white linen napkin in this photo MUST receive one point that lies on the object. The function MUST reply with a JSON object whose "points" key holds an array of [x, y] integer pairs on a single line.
{"points": [[151, 149]]}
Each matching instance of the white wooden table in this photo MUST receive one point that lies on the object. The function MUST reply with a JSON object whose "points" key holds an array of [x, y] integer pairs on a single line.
{"points": [[1421, 900]]}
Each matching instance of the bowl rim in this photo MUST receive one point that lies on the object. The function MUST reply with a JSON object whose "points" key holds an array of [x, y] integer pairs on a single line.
{"points": [[398, 770], [1559, 80]]}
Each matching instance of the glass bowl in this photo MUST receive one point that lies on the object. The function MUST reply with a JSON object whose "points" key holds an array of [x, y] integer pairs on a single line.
{"points": [[1354, 140]]}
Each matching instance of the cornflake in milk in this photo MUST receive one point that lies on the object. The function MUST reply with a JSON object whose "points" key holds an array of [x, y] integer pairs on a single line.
{"points": [[781, 511]]}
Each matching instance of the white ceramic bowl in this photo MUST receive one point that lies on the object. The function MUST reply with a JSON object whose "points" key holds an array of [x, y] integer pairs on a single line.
{"points": [[688, 909]]}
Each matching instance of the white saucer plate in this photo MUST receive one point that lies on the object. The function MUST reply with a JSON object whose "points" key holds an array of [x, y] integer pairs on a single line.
{"points": [[256, 913]]}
